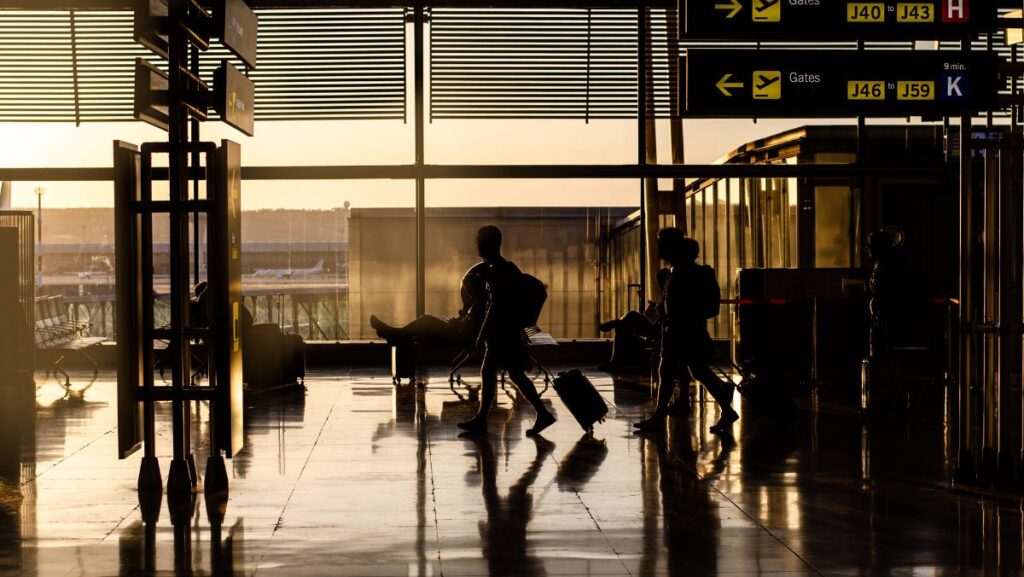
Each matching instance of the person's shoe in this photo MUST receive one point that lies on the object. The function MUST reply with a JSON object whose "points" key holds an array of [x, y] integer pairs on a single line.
{"points": [[725, 422], [652, 425], [383, 330], [474, 425], [543, 421], [606, 326]]}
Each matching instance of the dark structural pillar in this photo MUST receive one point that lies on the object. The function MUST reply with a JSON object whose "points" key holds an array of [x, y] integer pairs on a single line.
{"points": [[419, 21], [182, 478], [965, 470]]}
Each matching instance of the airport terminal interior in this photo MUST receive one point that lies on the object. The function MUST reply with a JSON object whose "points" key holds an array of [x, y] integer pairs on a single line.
{"points": [[259, 314]]}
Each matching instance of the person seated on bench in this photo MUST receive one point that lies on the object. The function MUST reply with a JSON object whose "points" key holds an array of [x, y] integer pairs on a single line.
{"points": [[199, 305], [461, 330], [633, 333]]}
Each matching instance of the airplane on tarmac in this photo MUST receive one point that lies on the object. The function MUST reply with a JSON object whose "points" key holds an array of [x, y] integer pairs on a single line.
{"points": [[289, 272]]}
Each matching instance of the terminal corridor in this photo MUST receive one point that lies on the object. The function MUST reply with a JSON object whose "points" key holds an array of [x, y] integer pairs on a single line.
{"points": [[359, 477]]}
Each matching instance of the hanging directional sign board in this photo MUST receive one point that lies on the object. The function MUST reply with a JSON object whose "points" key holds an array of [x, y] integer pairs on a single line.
{"points": [[234, 98], [236, 25], [837, 83], [814, 20], [151, 103]]}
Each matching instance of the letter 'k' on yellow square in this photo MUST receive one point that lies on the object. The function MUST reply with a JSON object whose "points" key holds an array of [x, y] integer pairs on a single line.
{"points": [[767, 11], [767, 85]]}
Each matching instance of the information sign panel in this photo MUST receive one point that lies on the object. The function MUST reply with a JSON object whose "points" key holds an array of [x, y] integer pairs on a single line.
{"points": [[151, 86], [837, 83], [235, 98], [129, 243], [816, 20], [226, 281], [237, 25]]}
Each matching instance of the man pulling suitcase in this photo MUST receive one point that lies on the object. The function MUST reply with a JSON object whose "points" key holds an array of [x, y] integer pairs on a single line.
{"points": [[502, 334]]}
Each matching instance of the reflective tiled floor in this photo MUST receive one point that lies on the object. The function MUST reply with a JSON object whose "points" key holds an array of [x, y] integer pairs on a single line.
{"points": [[356, 477]]}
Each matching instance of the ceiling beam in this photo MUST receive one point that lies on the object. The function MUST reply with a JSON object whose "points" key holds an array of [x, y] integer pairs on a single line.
{"points": [[517, 172], [313, 4]]}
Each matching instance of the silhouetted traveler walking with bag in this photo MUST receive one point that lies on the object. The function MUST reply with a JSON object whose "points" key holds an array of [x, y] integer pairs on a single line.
{"points": [[692, 297], [501, 334]]}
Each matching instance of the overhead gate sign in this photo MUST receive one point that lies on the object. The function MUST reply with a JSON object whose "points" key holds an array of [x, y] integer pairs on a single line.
{"points": [[816, 20], [837, 83]]}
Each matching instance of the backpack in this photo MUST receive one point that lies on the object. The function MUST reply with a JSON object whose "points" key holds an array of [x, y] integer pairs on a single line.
{"points": [[710, 293], [532, 296]]}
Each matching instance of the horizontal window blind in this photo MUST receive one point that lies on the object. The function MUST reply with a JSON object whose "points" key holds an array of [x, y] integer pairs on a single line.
{"points": [[313, 64], [547, 63]]}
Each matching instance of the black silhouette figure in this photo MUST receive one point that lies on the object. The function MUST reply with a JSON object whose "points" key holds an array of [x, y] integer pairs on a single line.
{"points": [[689, 537], [634, 333], [886, 248], [503, 534], [501, 334], [691, 298], [461, 330]]}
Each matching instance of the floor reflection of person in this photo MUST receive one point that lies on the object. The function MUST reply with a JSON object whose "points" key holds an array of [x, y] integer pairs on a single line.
{"points": [[690, 528], [460, 330], [503, 534], [635, 333]]}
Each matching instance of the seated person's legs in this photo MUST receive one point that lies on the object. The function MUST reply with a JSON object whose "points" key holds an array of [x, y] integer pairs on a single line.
{"points": [[427, 328], [630, 345]]}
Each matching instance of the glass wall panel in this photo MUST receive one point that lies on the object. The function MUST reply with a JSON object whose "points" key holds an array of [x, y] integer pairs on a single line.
{"points": [[832, 226], [559, 231], [525, 141], [278, 143], [318, 257]]}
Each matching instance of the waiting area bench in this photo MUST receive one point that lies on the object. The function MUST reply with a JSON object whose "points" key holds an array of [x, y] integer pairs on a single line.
{"points": [[404, 358], [56, 332]]}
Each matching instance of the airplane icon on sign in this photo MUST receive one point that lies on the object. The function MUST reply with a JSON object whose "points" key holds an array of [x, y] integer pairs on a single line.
{"points": [[765, 81], [767, 85]]}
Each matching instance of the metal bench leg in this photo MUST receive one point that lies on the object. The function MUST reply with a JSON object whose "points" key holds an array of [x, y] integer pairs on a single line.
{"points": [[58, 369], [548, 378], [92, 361], [460, 359]]}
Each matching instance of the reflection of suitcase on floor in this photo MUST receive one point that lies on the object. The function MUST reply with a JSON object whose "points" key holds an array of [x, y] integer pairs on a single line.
{"points": [[294, 365], [581, 398]]}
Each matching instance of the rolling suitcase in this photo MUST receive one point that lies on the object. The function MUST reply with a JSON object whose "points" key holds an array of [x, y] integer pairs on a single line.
{"points": [[403, 362], [581, 398], [261, 359], [294, 364]]}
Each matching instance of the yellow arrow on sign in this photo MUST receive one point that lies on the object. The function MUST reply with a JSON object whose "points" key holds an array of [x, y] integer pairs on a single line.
{"points": [[724, 85], [733, 5]]}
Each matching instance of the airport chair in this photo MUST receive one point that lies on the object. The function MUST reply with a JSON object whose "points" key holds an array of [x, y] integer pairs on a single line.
{"points": [[536, 337]]}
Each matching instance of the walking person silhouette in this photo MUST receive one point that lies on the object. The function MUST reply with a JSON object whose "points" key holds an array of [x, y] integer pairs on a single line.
{"points": [[502, 336], [691, 298]]}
